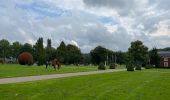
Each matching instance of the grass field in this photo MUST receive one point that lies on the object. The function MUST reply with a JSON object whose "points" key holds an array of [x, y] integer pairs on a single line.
{"points": [[153, 84], [14, 70]]}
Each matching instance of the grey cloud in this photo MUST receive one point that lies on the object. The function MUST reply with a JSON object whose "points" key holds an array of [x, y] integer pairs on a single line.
{"points": [[118, 4], [84, 27], [123, 7]]}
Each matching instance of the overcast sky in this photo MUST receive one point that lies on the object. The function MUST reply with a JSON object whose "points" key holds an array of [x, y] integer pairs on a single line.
{"points": [[87, 23]]}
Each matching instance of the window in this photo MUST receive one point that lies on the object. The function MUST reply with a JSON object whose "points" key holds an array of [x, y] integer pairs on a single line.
{"points": [[165, 59], [165, 64]]}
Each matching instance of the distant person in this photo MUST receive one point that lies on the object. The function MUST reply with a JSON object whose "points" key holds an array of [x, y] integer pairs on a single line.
{"points": [[46, 64]]}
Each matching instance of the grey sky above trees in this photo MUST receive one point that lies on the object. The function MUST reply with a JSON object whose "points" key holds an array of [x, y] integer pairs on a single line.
{"points": [[87, 23]]}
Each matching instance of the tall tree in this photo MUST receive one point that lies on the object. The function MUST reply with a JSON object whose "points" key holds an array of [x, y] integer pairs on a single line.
{"points": [[15, 47], [48, 50], [74, 55], [99, 54], [138, 52], [39, 52], [62, 52], [120, 57], [26, 48], [86, 58], [4, 48], [154, 57]]}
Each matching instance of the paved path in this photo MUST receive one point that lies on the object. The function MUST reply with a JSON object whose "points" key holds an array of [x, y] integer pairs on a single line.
{"points": [[44, 77]]}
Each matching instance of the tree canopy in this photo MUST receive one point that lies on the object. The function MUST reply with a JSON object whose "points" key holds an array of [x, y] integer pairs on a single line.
{"points": [[4, 48], [70, 54], [138, 52], [62, 52], [74, 54], [99, 54], [154, 57]]}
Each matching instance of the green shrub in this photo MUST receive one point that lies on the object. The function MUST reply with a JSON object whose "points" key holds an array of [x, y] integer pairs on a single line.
{"points": [[112, 66], [138, 67], [102, 66], [148, 67], [130, 67]]}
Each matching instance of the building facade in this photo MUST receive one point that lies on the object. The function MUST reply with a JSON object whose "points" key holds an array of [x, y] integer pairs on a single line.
{"points": [[165, 58]]}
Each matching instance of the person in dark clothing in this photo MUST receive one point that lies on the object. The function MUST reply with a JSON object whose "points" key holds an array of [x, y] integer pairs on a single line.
{"points": [[46, 64]]}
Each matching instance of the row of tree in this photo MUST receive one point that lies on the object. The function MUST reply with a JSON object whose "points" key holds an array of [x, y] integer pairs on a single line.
{"points": [[70, 54], [138, 54], [101, 54]]}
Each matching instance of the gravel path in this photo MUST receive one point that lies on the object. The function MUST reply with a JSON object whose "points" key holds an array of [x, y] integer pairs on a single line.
{"points": [[44, 77]]}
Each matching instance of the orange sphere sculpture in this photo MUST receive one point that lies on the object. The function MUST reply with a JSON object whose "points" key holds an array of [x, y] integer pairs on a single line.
{"points": [[25, 58]]}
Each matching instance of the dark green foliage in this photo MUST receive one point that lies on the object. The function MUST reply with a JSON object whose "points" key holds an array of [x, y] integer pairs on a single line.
{"points": [[112, 66], [67, 54], [120, 57], [86, 59], [26, 48], [15, 47], [129, 62], [74, 55], [48, 50], [4, 48], [154, 57], [99, 54], [130, 67], [39, 52], [148, 67], [102, 66], [138, 53], [54, 53], [138, 67], [62, 52]]}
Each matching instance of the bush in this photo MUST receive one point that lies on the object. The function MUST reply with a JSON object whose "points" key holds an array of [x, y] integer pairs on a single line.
{"points": [[102, 66], [138, 67], [130, 67], [112, 66], [148, 67], [143, 65]]}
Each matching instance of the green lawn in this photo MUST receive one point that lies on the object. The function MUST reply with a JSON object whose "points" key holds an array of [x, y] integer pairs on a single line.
{"points": [[14, 70], [153, 84]]}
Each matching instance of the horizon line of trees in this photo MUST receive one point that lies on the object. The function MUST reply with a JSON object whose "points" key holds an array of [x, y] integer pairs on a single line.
{"points": [[67, 54], [71, 54]]}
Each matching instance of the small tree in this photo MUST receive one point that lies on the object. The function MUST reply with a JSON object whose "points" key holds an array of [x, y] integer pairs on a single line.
{"points": [[102, 66], [112, 66], [154, 57], [129, 62], [138, 67]]}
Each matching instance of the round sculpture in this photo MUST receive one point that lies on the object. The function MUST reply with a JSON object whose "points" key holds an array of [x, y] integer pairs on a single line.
{"points": [[25, 58]]}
